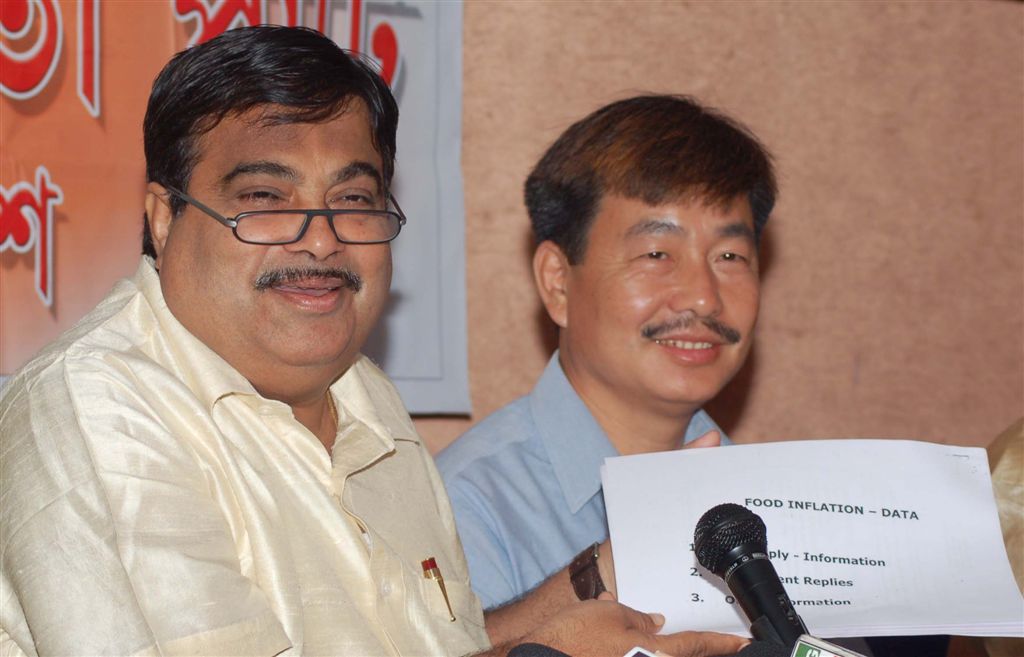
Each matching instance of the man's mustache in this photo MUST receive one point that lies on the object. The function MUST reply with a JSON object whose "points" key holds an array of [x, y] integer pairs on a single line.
{"points": [[349, 279], [727, 333]]}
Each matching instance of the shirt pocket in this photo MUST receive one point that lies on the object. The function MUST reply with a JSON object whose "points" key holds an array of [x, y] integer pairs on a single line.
{"points": [[465, 606]]}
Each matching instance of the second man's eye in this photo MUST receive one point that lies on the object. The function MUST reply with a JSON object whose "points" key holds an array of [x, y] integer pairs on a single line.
{"points": [[353, 200], [259, 196]]}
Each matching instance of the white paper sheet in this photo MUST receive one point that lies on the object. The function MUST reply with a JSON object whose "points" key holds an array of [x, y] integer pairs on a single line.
{"points": [[870, 537]]}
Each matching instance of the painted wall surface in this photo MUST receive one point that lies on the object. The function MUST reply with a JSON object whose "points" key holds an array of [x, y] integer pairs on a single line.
{"points": [[893, 285]]}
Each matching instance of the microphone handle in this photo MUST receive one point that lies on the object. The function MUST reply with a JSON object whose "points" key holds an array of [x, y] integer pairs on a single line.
{"points": [[759, 591], [763, 649]]}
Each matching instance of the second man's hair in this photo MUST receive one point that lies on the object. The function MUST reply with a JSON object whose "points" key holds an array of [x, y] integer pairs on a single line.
{"points": [[656, 149]]}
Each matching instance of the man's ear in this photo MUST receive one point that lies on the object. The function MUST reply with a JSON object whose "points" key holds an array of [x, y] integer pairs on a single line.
{"points": [[159, 216], [551, 270]]}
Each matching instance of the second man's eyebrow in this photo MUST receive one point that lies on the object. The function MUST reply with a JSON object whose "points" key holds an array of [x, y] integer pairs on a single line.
{"points": [[737, 229], [359, 168], [268, 167], [278, 170]]}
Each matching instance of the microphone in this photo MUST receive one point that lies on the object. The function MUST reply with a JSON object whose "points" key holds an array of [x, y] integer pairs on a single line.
{"points": [[731, 541]]}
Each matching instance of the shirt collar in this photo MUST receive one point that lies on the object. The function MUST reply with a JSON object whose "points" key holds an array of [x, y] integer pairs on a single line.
{"points": [[576, 444], [365, 393], [370, 418]]}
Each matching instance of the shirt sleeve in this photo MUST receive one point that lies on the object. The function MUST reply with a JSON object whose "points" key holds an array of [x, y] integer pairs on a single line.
{"points": [[488, 560], [112, 542]]}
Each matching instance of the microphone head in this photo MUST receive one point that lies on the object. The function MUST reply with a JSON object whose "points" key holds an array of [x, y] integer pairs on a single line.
{"points": [[724, 528]]}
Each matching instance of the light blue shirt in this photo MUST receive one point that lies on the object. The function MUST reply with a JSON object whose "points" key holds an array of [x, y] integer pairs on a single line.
{"points": [[525, 486]]}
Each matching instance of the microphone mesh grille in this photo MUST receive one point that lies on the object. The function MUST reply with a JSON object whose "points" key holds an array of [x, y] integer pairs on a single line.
{"points": [[724, 528]]}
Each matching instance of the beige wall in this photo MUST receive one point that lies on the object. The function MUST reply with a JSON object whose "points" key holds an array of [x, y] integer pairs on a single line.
{"points": [[893, 296]]}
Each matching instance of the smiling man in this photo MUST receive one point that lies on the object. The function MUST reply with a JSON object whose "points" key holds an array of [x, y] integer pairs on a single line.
{"points": [[647, 215], [205, 464]]}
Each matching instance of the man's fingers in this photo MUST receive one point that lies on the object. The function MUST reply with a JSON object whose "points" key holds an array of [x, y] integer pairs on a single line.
{"points": [[640, 621], [700, 644], [710, 439]]}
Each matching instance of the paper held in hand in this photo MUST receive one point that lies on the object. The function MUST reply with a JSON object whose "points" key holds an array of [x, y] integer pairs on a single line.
{"points": [[869, 537]]}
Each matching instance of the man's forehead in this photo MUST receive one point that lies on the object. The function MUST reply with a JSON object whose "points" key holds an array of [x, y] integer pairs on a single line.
{"points": [[268, 133], [272, 114], [270, 119], [638, 216]]}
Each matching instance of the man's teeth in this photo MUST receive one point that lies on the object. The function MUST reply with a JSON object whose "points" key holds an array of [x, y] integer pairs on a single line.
{"points": [[309, 287], [684, 344], [311, 291]]}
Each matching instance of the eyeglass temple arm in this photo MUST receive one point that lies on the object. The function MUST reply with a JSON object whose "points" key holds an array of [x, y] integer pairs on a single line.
{"points": [[398, 208], [230, 223]]}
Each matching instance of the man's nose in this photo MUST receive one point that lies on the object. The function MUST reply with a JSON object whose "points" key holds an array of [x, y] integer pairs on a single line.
{"points": [[319, 240], [696, 288]]}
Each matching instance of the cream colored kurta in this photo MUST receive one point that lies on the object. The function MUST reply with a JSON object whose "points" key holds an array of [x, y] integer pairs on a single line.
{"points": [[153, 502]]}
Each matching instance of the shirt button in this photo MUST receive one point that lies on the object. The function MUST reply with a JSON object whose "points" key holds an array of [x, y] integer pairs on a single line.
{"points": [[385, 588]]}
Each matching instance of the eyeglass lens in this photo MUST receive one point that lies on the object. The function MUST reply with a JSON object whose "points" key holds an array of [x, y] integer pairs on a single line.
{"points": [[284, 227]]}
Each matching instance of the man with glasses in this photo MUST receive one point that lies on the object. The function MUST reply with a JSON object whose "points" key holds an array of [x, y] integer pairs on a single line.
{"points": [[205, 464]]}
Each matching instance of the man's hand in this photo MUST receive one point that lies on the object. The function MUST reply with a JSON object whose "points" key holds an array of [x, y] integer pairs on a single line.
{"points": [[595, 628], [710, 439]]}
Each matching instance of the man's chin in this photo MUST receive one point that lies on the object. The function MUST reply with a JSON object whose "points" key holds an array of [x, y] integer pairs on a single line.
{"points": [[316, 353], [694, 391], [338, 362]]}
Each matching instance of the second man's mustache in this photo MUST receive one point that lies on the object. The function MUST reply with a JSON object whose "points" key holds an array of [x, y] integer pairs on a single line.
{"points": [[688, 319], [349, 279]]}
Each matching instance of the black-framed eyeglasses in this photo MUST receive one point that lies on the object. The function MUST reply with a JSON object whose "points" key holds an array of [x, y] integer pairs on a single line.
{"points": [[288, 226]]}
